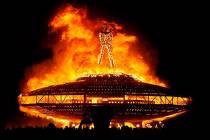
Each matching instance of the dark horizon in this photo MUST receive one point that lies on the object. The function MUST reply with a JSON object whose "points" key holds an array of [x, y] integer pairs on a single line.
{"points": [[169, 29]]}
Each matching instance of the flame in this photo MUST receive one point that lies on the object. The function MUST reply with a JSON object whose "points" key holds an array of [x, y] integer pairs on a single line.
{"points": [[59, 120], [139, 123], [164, 118], [76, 52]]}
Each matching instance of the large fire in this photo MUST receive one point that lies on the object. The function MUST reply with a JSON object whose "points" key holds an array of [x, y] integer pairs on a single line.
{"points": [[76, 54], [77, 50]]}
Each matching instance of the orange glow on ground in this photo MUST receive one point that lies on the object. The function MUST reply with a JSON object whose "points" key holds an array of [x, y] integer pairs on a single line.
{"points": [[162, 118]]}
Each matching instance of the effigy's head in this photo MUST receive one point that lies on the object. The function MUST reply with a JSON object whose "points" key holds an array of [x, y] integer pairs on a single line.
{"points": [[106, 28]]}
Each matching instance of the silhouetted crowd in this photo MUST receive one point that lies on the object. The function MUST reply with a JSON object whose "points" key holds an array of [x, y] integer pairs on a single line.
{"points": [[112, 133]]}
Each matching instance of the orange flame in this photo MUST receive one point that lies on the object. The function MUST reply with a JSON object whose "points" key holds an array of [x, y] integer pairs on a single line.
{"points": [[76, 53], [58, 120]]}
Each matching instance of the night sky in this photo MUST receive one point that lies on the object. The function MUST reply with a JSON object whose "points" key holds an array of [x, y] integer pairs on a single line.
{"points": [[168, 27]]}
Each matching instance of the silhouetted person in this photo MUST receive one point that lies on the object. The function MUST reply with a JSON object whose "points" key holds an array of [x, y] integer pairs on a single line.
{"points": [[85, 123], [51, 126], [101, 116]]}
